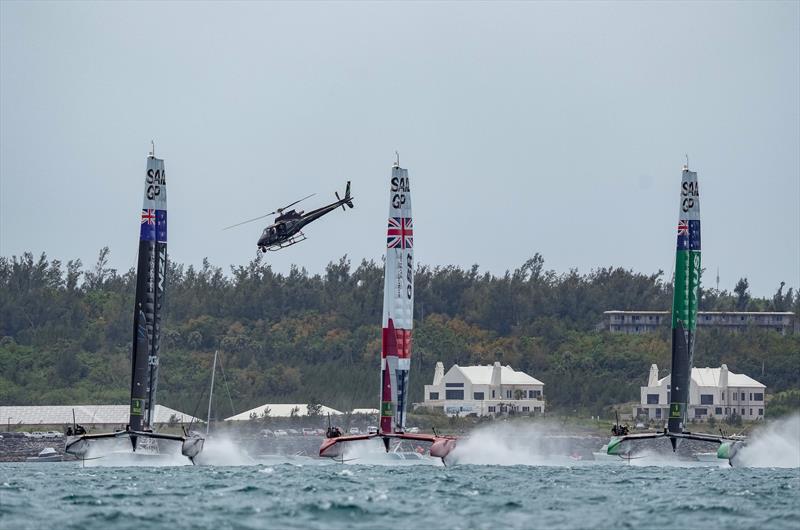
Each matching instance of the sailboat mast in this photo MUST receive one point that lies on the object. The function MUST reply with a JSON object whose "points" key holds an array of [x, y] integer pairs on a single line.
{"points": [[685, 300], [398, 304], [211, 392], [150, 283]]}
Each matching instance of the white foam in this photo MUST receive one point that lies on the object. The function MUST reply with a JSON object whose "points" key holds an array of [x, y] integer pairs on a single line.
{"points": [[777, 444]]}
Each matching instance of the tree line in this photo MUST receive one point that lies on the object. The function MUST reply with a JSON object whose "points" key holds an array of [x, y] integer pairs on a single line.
{"points": [[65, 332]]}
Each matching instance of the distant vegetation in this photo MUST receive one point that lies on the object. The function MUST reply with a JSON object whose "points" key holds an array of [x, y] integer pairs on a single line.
{"points": [[65, 332]]}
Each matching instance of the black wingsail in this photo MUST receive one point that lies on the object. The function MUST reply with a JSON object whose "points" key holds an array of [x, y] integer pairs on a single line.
{"points": [[150, 283]]}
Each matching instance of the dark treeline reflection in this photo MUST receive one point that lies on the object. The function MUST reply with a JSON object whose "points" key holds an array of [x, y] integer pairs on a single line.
{"points": [[65, 332]]}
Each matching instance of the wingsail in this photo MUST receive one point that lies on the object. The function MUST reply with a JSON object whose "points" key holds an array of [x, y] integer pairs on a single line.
{"points": [[398, 305], [150, 284], [684, 301]]}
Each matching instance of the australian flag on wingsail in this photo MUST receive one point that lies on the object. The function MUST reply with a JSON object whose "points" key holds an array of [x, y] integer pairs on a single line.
{"points": [[689, 235], [154, 225]]}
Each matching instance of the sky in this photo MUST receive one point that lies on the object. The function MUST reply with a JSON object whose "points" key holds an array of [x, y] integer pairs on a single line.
{"points": [[551, 127]]}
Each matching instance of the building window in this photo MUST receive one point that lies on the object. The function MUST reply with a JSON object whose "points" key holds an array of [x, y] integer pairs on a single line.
{"points": [[658, 413], [434, 396], [758, 396], [706, 399], [727, 410], [742, 412], [652, 399], [454, 394], [699, 413], [751, 412], [492, 394], [760, 412], [718, 411], [742, 396], [454, 385], [751, 396], [508, 394], [526, 409], [478, 396], [491, 409]]}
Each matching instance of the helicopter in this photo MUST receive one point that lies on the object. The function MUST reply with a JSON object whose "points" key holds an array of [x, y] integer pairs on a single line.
{"points": [[286, 230]]}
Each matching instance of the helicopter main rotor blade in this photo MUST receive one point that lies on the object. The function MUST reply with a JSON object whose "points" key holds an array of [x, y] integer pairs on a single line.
{"points": [[295, 202], [251, 220]]}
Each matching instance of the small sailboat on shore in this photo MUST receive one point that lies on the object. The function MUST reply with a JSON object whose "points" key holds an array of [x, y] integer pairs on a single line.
{"points": [[149, 301], [398, 316]]}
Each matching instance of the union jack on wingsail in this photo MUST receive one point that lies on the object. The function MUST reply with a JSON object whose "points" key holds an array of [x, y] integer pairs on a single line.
{"points": [[400, 233]]}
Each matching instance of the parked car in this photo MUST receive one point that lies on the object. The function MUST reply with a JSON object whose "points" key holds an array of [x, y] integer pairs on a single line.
{"points": [[53, 434], [308, 432], [354, 430], [319, 432], [293, 432], [266, 433], [372, 430], [281, 432], [413, 430]]}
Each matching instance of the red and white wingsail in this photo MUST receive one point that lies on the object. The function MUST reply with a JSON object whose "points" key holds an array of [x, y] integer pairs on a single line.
{"points": [[398, 305]]}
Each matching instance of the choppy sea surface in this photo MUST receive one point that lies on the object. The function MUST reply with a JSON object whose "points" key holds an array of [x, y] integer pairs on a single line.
{"points": [[316, 494]]}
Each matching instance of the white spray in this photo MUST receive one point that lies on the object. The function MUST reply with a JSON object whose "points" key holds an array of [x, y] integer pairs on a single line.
{"points": [[774, 445]]}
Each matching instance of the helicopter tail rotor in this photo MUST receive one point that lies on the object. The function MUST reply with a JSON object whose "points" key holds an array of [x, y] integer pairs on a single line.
{"points": [[347, 198]]}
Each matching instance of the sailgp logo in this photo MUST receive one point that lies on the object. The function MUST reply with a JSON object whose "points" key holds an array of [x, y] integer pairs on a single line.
{"points": [[155, 179]]}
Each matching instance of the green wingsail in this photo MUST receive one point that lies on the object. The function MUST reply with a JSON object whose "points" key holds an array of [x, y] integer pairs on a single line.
{"points": [[685, 300]]}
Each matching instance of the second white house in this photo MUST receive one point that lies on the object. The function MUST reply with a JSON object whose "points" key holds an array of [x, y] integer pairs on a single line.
{"points": [[484, 390], [713, 393]]}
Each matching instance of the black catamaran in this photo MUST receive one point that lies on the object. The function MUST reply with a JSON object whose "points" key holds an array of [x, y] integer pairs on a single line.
{"points": [[150, 291], [684, 324]]}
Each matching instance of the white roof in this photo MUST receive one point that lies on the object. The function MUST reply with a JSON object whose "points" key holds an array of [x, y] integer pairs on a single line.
{"points": [[280, 410], [366, 411], [710, 377], [84, 414], [482, 375]]}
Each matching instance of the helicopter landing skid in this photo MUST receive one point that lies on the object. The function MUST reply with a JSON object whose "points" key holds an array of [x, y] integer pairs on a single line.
{"points": [[297, 238]]}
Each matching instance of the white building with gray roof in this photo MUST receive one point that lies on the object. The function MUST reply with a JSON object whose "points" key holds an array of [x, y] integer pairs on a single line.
{"points": [[93, 417], [483, 391], [713, 393]]}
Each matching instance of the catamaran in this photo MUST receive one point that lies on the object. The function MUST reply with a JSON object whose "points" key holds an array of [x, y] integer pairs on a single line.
{"points": [[684, 325], [150, 292], [398, 316]]}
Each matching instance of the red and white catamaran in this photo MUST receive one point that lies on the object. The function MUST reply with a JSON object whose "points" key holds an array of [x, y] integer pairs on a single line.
{"points": [[398, 316]]}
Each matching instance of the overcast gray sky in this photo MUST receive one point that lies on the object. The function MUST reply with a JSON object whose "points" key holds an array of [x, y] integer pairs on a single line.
{"points": [[552, 127]]}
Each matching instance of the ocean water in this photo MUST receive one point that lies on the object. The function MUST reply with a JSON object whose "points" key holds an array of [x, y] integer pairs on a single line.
{"points": [[309, 493]]}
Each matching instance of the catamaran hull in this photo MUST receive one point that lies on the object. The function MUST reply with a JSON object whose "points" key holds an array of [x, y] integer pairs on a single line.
{"points": [[441, 446], [80, 446]]}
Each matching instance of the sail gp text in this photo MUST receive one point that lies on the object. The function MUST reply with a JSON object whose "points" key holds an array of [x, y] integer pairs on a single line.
{"points": [[400, 186], [155, 179]]}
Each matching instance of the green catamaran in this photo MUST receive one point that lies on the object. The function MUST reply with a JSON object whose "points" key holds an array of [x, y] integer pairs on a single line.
{"points": [[684, 325]]}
